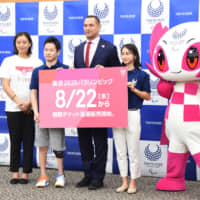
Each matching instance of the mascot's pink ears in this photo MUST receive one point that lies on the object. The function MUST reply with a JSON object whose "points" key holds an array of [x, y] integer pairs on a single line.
{"points": [[156, 34]]}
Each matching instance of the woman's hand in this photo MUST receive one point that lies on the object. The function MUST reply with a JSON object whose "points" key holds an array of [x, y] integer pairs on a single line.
{"points": [[24, 106], [141, 94], [36, 117], [131, 85]]}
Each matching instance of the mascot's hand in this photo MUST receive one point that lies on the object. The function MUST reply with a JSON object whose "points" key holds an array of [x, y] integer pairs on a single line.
{"points": [[165, 88]]}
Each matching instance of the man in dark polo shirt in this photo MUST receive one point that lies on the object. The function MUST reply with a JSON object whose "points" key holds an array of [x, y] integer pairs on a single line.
{"points": [[45, 137]]}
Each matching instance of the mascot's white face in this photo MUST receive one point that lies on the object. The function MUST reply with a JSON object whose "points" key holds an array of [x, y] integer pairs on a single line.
{"points": [[176, 55]]}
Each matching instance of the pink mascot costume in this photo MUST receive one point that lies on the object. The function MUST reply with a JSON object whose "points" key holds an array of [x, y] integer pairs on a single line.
{"points": [[175, 59]]}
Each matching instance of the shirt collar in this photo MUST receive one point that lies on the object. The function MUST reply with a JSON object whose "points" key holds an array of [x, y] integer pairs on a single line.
{"points": [[95, 41], [58, 64], [133, 70]]}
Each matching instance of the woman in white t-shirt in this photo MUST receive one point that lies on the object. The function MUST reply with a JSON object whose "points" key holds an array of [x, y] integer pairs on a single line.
{"points": [[16, 72]]}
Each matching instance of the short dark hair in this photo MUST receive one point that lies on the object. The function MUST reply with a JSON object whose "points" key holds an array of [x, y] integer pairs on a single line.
{"points": [[134, 51], [53, 40], [15, 51], [95, 17]]}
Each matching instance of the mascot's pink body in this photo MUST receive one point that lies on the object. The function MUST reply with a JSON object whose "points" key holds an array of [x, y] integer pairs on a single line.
{"points": [[175, 59]]}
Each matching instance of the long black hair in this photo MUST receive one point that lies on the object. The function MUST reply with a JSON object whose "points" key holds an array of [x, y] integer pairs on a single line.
{"points": [[29, 39], [133, 49]]}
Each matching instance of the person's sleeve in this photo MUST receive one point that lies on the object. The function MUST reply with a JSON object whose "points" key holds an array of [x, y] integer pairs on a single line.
{"points": [[75, 57], [34, 80], [114, 59], [5, 69], [146, 83]]}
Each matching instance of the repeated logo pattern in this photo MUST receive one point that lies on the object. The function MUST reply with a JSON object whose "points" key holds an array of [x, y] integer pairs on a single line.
{"points": [[126, 24], [4, 144], [152, 155], [73, 43], [178, 35], [125, 41], [155, 11], [101, 10], [4, 16], [50, 15]]}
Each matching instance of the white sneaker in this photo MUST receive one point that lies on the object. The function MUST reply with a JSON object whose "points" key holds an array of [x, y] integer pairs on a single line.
{"points": [[43, 181], [60, 180]]}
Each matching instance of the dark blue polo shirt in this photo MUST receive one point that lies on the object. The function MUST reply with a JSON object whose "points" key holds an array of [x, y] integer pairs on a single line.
{"points": [[142, 83], [35, 75]]}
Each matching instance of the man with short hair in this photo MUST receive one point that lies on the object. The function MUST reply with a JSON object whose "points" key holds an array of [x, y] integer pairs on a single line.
{"points": [[99, 53], [45, 137]]}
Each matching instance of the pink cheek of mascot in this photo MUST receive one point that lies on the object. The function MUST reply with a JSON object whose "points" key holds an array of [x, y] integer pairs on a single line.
{"points": [[175, 60]]}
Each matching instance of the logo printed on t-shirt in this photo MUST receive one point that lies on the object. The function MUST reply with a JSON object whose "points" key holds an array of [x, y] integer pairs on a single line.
{"points": [[24, 70], [134, 81]]}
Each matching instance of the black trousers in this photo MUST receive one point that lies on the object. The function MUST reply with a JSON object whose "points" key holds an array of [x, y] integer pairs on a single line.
{"points": [[93, 147], [21, 129]]}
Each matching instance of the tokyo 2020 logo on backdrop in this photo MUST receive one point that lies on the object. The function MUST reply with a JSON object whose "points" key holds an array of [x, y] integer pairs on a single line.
{"points": [[4, 14], [101, 10], [152, 155], [155, 8], [50, 13]]}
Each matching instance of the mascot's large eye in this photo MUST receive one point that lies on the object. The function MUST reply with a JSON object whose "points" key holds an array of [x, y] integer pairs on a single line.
{"points": [[161, 60], [192, 58]]}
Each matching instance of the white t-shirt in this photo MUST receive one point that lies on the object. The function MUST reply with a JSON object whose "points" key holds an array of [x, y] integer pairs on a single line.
{"points": [[18, 71]]}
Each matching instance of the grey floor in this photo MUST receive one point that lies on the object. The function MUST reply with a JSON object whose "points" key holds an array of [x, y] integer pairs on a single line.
{"points": [[145, 187]]}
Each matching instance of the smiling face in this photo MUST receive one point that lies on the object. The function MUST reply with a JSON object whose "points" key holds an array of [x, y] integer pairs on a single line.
{"points": [[176, 57], [127, 56], [22, 45]]}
